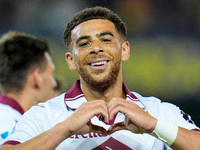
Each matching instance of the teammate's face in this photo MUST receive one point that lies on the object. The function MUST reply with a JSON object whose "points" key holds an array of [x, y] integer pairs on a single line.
{"points": [[48, 81], [97, 53]]}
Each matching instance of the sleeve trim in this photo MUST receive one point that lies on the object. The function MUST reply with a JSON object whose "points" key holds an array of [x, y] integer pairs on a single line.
{"points": [[11, 143]]}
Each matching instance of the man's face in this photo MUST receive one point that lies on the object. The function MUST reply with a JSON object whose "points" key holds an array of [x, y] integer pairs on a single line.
{"points": [[48, 81], [96, 49]]}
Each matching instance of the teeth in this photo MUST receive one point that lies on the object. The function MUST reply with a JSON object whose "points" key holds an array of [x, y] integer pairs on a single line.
{"points": [[99, 63]]}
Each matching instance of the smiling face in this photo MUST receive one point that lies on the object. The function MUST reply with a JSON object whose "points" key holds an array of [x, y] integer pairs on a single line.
{"points": [[97, 51]]}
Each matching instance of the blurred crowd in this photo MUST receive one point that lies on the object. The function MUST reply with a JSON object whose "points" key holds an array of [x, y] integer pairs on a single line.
{"points": [[143, 17]]}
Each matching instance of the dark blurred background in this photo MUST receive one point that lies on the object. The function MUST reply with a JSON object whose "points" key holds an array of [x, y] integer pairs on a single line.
{"points": [[164, 38]]}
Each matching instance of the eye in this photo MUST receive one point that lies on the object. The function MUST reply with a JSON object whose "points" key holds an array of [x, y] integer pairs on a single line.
{"points": [[84, 44], [105, 40]]}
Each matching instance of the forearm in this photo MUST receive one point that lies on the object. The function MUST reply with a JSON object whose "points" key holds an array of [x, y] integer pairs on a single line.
{"points": [[186, 140], [47, 140], [176, 137], [77, 123]]}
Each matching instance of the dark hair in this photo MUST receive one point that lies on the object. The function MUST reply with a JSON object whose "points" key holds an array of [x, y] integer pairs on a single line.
{"points": [[20, 53], [94, 13]]}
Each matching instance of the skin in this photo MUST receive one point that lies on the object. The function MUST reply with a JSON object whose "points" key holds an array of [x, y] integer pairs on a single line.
{"points": [[137, 120], [48, 82], [40, 85], [94, 44]]}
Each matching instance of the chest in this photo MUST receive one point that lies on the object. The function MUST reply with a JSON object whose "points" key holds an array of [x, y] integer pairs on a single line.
{"points": [[120, 140]]}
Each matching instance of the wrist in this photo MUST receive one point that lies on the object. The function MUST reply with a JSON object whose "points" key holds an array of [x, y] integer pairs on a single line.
{"points": [[63, 130], [165, 132]]}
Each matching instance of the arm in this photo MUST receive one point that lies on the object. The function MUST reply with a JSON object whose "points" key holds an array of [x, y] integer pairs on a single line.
{"points": [[47, 140], [138, 121], [77, 123], [186, 139]]}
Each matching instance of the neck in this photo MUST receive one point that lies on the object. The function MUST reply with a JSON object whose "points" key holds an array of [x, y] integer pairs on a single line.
{"points": [[23, 99], [115, 90]]}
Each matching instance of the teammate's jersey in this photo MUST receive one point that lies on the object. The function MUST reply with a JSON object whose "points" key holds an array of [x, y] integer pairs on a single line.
{"points": [[10, 112], [46, 115]]}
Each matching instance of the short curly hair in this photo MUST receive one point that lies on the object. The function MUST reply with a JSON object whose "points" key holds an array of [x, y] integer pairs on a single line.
{"points": [[94, 13]]}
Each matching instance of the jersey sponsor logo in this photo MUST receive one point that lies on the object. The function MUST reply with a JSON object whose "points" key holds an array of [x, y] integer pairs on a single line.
{"points": [[110, 144], [89, 135]]}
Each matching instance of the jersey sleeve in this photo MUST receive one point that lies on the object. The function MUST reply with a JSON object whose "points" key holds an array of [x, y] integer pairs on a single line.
{"points": [[31, 124], [8, 119], [6, 128], [168, 112], [176, 116]]}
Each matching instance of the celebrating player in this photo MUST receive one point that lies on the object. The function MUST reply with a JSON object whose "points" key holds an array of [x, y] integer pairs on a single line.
{"points": [[99, 111]]}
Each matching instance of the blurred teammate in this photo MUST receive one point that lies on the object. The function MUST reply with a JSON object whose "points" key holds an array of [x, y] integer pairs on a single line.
{"points": [[26, 77], [99, 112]]}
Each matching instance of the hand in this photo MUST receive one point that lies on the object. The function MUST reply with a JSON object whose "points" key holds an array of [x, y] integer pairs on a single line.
{"points": [[79, 122], [126, 125], [136, 119]]}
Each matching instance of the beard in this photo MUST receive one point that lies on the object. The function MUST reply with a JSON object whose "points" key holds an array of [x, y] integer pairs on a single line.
{"points": [[101, 85]]}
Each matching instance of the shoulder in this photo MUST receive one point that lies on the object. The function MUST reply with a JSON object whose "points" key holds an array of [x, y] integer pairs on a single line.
{"points": [[166, 111], [158, 108], [51, 109], [54, 103], [8, 114], [153, 101], [147, 100]]}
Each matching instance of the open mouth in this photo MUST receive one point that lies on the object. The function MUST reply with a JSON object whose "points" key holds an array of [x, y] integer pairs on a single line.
{"points": [[100, 63]]}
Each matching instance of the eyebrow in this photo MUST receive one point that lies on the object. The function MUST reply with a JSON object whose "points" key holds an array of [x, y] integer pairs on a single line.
{"points": [[98, 35], [105, 33], [83, 38]]}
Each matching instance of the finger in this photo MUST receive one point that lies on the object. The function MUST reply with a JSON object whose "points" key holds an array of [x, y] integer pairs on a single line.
{"points": [[113, 103], [82, 116], [116, 127], [96, 108], [114, 107], [101, 117], [97, 129], [116, 110], [102, 111]]}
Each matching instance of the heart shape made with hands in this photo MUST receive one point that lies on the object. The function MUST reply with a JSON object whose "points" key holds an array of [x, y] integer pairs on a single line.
{"points": [[120, 122]]}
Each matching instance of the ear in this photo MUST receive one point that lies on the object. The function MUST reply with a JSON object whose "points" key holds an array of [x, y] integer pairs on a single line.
{"points": [[37, 78], [125, 51], [70, 61]]}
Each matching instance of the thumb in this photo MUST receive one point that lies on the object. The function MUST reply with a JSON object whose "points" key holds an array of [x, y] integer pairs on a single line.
{"points": [[116, 127], [97, 129]]}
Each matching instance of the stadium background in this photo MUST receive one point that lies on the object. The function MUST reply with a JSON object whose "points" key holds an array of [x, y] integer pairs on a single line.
{"points": [[164, 38]]}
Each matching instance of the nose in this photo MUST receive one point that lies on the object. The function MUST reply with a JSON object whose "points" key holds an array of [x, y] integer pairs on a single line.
{"points": [[96, 48]]}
